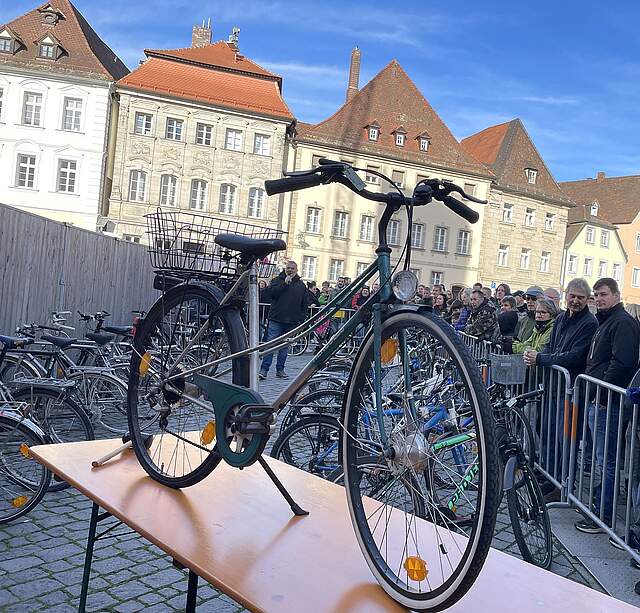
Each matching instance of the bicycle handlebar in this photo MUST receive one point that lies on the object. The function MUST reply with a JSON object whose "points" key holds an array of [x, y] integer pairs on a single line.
{"points": [[291, 184]]}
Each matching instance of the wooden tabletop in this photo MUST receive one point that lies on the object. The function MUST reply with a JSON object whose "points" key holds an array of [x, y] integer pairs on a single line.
{"points": [[236, 532]]}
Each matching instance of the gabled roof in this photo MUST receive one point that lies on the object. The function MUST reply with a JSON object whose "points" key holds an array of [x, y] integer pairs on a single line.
{"points": [[618, 197], [208, 85], [392, 99], [579, 216], [508, 150], [85, 53]]}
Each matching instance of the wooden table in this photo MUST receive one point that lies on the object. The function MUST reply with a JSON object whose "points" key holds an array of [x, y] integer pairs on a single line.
{"points": [[235, 531]]}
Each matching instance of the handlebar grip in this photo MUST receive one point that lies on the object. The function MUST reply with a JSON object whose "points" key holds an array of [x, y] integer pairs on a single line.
{"points": [[461, 209], [290, 184], [528, 395]]}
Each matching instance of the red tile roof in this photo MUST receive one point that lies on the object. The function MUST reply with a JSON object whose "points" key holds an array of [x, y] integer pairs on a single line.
{"points": [[85, 53], [212, 86], [218, 55], [618, 197], [393, 100], [508, 150]]}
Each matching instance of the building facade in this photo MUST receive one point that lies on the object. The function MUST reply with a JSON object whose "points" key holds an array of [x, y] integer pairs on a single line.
{"points": [[199, 130], [615, 201], [388, 127], [56, 100], [526, 218]]}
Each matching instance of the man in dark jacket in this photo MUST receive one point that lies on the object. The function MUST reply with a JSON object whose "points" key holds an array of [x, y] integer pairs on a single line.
{"points": [[613, 357], [482, 321], [290, 300]]}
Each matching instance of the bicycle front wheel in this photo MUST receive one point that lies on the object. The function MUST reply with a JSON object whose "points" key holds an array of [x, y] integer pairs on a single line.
{"points": [[423, 563]]}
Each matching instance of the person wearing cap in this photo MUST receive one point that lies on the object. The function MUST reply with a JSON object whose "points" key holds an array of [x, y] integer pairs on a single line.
{"points": [[528, 323], [545, 315], [482, 322], [521, 303]]}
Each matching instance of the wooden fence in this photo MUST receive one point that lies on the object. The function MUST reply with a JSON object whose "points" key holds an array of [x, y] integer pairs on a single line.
{"points": [[46, 265]]}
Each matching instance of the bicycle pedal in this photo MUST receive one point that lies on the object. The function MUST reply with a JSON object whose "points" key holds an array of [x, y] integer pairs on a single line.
{"points": [[254, 419]]}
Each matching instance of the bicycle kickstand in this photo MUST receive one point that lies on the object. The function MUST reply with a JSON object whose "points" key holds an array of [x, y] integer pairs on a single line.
{"points": [[295, 507]]}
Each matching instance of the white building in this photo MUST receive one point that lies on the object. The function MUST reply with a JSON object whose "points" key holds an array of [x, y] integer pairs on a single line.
{"points": [[56, 91]]}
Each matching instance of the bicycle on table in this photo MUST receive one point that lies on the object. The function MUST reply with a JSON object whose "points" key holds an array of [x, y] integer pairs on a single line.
{"points": [[203, 419]]}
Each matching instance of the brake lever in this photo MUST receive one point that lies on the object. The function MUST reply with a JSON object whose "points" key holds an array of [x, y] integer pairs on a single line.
{"points": [[452, 187]]}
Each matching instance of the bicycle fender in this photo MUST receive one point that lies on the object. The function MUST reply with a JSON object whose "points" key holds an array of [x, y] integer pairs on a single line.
{"points": [[510, 473], [31, 425]]}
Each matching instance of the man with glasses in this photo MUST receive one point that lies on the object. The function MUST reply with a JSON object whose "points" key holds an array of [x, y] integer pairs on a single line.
{"points": [[528, 323]]}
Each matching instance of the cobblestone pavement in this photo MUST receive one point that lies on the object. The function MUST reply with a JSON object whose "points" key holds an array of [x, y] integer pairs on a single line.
{"points": [[42, 555]]}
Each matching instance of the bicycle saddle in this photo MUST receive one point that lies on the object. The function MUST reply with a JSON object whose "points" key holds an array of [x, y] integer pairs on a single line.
{"points": [[121, 330], [15, 342], [59, 341], [255, 247], [99, 338]]}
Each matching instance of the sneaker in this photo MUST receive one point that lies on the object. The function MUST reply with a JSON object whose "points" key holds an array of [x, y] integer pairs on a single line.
{"points": [[262, 375], [281, 374], [588, 527]]}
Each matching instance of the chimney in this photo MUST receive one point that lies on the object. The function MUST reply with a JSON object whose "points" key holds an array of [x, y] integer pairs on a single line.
{"points": [[600, 176], [201, 35], [354, 74]]}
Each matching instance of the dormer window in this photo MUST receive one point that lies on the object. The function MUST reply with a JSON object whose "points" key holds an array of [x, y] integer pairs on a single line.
{"points": [[400, 139], [424, 143], [9, 41], [6, 45], [594, 209], [49, 47], [47, 51], [373, 133], [50, 15], [532, 175]]}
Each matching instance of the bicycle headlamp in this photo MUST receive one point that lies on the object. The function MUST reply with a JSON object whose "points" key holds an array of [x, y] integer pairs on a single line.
{"points": [[404, 285]]}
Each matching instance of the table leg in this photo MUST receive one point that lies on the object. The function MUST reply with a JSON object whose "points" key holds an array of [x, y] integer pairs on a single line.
{"points": [[192, 592], [91, 539]]}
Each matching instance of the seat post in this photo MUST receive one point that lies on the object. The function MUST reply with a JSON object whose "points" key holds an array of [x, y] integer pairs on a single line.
{"points": [[254, 326]]}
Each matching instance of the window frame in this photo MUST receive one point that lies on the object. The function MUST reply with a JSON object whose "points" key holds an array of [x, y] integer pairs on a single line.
{"points": [[37, 110], [400, 139], [525, 258], [393, 237], [373, 179], [30, 169], [507, 212], [460, 243], [635, 278], [545, 259], [590, 230], [437, 277], [11, 47], [616, 271], [198, 194], [402, 175], [140, 114], [48, 56], [75, 113], [587, 267], [440, 239], [424, 144], [550, 222], [165, 190], [340, 229], [141, 174], [259, 150], [503, 255], [237, 140], [204, 132], [256, 199], [600, 267], [605, 234], [572, 258], [314, 261], [530, 217], [418, 244], [174, 132], [367, 223], [71, 175], [374, 133], [308, 218], [131, 238], [532, 175], [338, 273], [229, 200]]}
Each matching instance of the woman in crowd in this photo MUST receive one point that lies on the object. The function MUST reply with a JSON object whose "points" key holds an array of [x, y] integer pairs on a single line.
{"points": [[546, 312], [440, 305], [465, 311]]}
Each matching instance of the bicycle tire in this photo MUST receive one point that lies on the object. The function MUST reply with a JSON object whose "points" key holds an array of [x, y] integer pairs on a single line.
{"points": [[21, 365], [186, 303], [526, 492], [404, 327], [23, 481], [311, 403], [526, 436], [299, 347]]}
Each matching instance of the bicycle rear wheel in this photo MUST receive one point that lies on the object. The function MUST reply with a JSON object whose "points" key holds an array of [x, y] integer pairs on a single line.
{"points": [[424, 564], [299, 347], [325, 402]]}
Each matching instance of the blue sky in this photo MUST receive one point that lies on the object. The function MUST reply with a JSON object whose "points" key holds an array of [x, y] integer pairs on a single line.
{"points": [[570, 70]]}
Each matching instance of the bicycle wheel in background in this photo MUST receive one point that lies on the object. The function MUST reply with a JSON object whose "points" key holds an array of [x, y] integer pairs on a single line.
{"points": [[518, 425], [299, 347], [425, 564], [182, 451], [324, 402], [23, 481]]}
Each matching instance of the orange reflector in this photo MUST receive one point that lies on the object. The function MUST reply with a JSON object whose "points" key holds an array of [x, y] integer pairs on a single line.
{"points": [[143, 369], [208, 433], [389, 350], [416, 568], [24, 450], [18, 502]]}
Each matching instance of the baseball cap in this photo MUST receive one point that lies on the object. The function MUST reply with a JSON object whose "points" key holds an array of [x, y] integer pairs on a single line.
{"points": [[518, 293], [535, 291]]}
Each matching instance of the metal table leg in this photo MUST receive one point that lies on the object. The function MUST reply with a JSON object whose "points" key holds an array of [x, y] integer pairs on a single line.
{"points": [[192, 592], [91, 539]]}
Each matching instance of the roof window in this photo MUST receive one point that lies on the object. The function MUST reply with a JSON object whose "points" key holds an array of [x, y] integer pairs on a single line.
{"points": [[594, 209], [532, 175]]}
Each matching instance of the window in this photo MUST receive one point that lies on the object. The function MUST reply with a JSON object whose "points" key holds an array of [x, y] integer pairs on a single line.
{"points": [[131, 238], [397, 176], [440, 239], [572, 264], [616, 270], [503, 255], [315, 160], [550, 222], [594, 209], [143, 124], [464, 242], [361, 267], [371, 178], [437, 277], [604, 238], [204, 134], [168, 190], [47, 51], [470, 188], [393, 232], [137, 185], [340, 221], [198, 197], [313, 220], [193, 247], [6, 45], [32, 109], [602, 268], [72, 114], [424, 143], [591, 235], [256, 203], [174, 129], [67, 175], [587, 269], [545, 258], [233, 140], [227, 203], [530, 218], [26, 171], [262, 144], [531, 174], [635, 277], [400, 138], [309, 264], [507, 213], [373, 133], [525, 259], [417, 235], [1, 97], [335, 269], [366, 228], [416, 272], [638, 242]]}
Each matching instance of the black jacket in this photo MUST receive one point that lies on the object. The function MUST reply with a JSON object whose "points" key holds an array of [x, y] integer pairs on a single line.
{"points": [[613, 355], [289, 301], [570, 342]]}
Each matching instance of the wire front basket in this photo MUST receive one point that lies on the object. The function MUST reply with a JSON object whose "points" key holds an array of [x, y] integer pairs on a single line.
{"points": [[184, 242], [508, 369]]}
